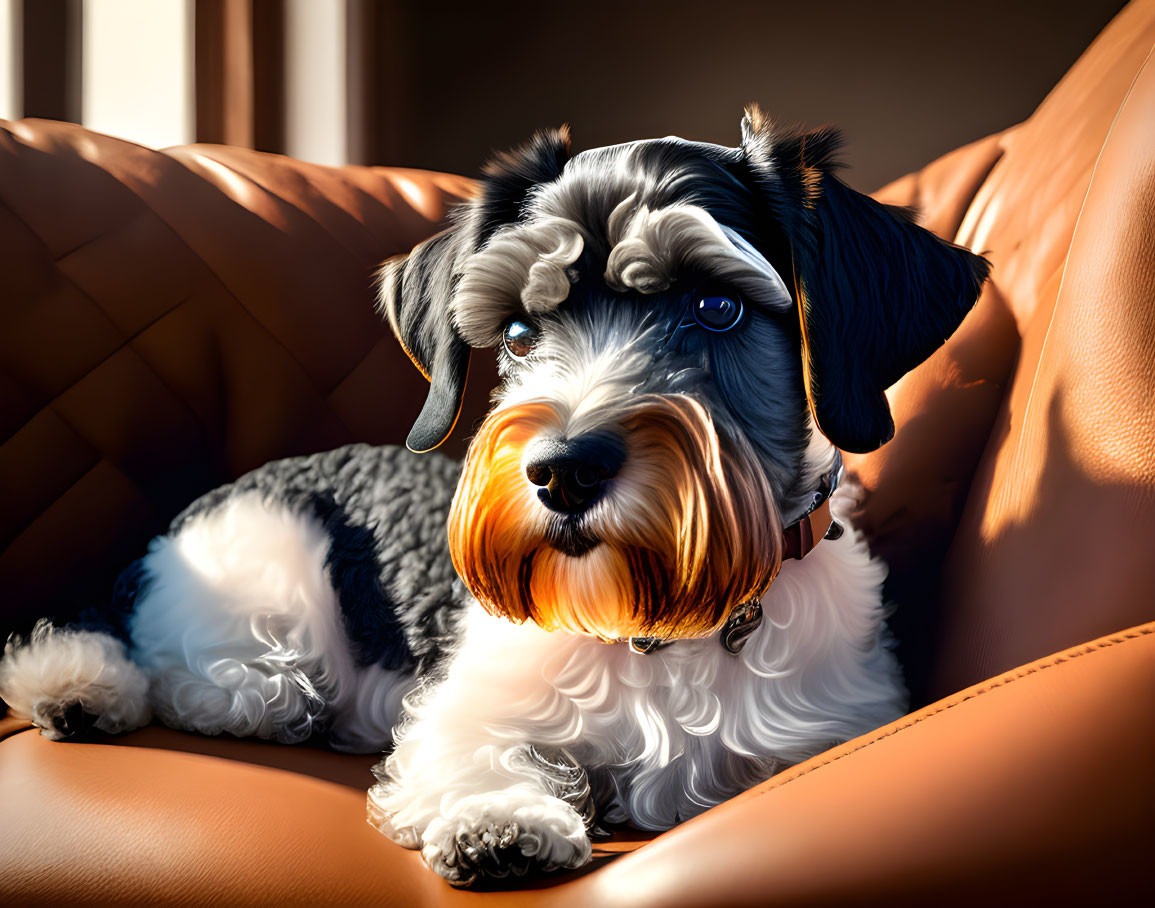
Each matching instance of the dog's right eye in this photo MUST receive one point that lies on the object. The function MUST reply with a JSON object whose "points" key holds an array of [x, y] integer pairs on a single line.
{"points": [[717, 313], [519, 338]]}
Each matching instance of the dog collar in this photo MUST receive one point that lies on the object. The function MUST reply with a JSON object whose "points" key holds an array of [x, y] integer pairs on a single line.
{"points": [[798, 538], [797, 542]]}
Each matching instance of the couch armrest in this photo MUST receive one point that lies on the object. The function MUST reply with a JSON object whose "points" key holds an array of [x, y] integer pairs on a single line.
{"points": [[1032, 786]]}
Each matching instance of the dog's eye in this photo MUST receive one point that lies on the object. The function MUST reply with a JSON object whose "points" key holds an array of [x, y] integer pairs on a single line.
{"points": [[519, 338], [717, 313]]}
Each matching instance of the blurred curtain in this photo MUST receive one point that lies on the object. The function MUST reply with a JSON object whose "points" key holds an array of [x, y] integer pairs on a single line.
{"points": [[318, 79], [240, 72], [51, 57]]}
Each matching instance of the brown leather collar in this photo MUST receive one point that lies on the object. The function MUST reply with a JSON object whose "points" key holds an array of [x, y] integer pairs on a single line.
{"points": [[799, 538]]}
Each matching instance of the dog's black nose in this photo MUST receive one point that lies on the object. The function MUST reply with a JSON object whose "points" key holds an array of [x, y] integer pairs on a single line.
{"points": [[572, 471]]}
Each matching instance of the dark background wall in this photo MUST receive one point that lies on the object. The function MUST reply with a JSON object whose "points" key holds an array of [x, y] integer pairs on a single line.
{"points": [[441, 83], [906, 80]]}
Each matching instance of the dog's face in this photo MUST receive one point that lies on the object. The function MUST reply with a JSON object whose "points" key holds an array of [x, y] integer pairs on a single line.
{"points": [[685, 333]]}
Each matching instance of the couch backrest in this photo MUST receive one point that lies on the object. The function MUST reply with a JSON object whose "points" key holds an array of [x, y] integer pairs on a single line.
{"points": [[1017, 502], [170, 320]]}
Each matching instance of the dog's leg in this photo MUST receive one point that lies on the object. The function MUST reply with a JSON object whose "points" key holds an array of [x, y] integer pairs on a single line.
{"points": [[480, 779], [239, 629], [234, 627]]}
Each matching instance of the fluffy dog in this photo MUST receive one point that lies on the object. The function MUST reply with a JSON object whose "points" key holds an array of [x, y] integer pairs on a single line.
{"points": [[603, 616]]}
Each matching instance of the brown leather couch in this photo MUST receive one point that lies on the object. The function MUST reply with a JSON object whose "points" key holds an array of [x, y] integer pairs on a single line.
{"points": [[171, 319]]}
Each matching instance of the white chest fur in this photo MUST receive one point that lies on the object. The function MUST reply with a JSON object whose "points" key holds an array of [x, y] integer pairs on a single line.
{"points": [[665, 735]]}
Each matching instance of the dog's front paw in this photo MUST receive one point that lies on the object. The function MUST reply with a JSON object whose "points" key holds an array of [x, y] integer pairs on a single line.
{"points": [[505, 833]]}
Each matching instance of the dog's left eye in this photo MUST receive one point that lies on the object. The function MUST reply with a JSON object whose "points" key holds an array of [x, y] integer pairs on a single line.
{"points": [[519, 338], [717, 313]]}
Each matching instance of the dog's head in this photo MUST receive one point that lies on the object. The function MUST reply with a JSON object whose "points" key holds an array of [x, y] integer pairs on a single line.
{"points": [[686, 333]]}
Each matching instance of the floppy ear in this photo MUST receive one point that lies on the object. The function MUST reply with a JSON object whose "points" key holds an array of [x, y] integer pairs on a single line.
{"points": [[414, 294], [876, 293], [416, 290]]}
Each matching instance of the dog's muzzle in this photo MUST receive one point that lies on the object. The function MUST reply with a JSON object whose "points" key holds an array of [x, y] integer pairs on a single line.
{"points": [[571, 533]]}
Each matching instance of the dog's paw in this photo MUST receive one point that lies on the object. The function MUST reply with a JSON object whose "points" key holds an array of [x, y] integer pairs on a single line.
{"points": [[70, 683], [505, 833], [68, 722]]}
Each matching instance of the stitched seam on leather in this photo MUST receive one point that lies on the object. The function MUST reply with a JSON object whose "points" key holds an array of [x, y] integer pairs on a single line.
{"points": [[42, 510], [48, 404], [1060, 659], [980, 182], [377, 343], [314, 193], [310, 379], [125, 342], [357, 365], [320, 196], [52, 257]]}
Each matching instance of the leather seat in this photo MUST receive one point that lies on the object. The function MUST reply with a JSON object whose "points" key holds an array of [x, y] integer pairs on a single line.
{"points": [[171, 319]]}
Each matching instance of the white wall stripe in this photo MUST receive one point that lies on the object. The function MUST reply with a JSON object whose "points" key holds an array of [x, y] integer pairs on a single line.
{"points": [[138, 70], [11, 59], [316, 104]]}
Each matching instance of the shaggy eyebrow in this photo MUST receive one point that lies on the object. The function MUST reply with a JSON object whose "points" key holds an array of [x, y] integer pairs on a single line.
{"points": [[523, 267], [526, 267], [651, 246]]}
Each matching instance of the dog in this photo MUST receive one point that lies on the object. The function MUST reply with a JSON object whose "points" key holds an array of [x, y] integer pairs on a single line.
{"points": [[604, 615]]}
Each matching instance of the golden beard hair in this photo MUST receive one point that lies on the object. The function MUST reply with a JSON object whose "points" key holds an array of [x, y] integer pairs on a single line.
{"points": [[689, 531]]}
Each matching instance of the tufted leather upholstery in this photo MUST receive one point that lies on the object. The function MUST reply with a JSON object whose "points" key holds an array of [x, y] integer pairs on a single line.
{"points": [[220, 318], [171, 320]]}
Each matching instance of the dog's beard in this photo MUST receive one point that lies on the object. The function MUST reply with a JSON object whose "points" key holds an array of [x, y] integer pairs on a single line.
{"points": [[686, 531]]}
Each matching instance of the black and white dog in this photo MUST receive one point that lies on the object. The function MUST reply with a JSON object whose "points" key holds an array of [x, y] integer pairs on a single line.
{"points": [[565, 630]]}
